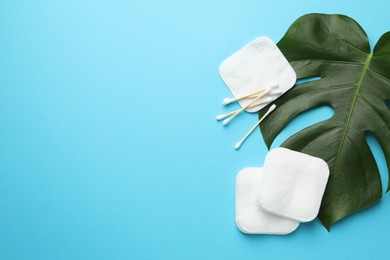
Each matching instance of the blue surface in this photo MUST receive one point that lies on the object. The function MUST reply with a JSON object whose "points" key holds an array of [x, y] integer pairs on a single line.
{"points": [[108, 144]]}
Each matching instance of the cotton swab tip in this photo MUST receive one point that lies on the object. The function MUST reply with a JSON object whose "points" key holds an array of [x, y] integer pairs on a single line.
{"points": [[278, 92], [272, 108], [238, 145], [220, 117], [227, 101], [226, 121], [274, 85]]}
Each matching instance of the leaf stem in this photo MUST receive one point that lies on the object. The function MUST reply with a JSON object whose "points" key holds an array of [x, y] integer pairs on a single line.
{"points": [[358, 87]]}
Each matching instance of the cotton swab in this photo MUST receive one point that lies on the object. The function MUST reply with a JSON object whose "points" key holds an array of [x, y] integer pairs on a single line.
{"points": [[220, 117], [227, 101], [251, 104], [238, 145], [226, 121]]}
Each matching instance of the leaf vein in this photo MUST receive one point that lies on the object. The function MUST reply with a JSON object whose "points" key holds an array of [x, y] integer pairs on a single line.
{"points": [[346, 126], [368, 187], [348, 44], [326, 132], [365, 101], [380, 56], [326, 89], [378, 75], [331, 61]]}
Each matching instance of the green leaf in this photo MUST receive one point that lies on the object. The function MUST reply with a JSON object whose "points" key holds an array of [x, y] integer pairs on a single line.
{"points": [[356, 84]]}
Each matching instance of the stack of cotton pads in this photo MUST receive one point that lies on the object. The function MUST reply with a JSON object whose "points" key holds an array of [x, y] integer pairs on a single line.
{"points": [[287, 191]]}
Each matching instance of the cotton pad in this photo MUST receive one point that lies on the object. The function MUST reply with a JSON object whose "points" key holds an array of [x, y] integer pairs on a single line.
{"points": [[258, 65], [293, 184], [250, 218]]}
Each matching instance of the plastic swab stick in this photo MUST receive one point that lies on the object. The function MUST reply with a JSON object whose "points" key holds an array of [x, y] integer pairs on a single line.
{"points": [[238, 145]]}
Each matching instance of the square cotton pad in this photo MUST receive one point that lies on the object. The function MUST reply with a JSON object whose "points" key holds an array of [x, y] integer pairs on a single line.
{"points": [[293, 184], [258, 65], [250, 218]]}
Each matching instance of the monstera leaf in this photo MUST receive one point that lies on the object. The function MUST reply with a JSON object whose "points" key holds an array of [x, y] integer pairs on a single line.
{"points": [[356, 84]]}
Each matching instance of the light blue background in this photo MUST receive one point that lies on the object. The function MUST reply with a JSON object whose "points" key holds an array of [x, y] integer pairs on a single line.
{"points": [[108, 144]]}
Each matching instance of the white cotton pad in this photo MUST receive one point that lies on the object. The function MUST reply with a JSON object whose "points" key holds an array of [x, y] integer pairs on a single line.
{"points": [[250, 218], [258, 65], [293, 184]]}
